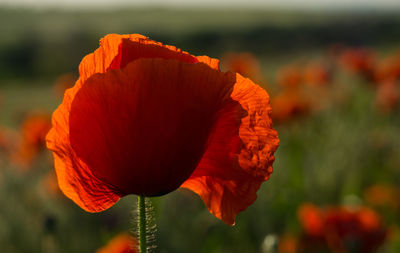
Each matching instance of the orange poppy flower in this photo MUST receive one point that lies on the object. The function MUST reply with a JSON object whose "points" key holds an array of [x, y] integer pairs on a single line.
{"points": [[289, 77], [288, 105], [311, 219], [146, 118], [340, 229], [316, 74], [288, 244], [382, 195], [33, 133], [360, 61], [245, 64], [387, 96], [122, 243], [64, 82]]}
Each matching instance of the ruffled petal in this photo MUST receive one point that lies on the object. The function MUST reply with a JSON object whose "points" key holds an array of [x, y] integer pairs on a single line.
{"points": [[72, 173], [240, 154], [116, 51], [139, 130], [211, 62]]}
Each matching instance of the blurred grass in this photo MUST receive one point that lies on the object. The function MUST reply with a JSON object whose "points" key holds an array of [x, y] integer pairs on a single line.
{"points": [[37, 43], [18, 97]]}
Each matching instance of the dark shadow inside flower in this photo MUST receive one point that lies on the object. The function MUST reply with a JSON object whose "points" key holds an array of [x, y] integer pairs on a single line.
{"points": [[143, 129]]}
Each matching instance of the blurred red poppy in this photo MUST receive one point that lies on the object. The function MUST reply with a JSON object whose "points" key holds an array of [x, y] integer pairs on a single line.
{"points": [[341, 229], [387, 96], [387, 69], [289, 77], [316, 74], [358, 60], [383, 196], [288, 244], [64, 82], [311, 219], [245, 64], [289, 104], [33, 133], [122, 243], [146, 118]]}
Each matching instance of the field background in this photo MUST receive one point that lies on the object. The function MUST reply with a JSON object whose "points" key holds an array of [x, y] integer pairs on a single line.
{"points": [[329, 158]]}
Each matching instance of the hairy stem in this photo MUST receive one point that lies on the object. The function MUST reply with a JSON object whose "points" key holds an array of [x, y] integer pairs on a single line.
{"points": [[142, 224]]}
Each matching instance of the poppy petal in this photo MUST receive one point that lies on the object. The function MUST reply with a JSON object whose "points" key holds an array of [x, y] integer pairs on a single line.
{"points": [[116, 51], [141, 129], [211, 62], [240, 155], [72, 174]]}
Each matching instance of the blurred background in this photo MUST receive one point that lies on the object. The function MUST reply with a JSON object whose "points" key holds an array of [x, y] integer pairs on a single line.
{"points": [[332, 70]]}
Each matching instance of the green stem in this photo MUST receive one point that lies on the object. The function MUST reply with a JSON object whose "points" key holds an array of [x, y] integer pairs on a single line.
{"points": [[142, 224]]}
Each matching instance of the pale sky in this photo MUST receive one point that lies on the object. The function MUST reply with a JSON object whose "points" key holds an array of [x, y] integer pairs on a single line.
{"points": [[290, 4]]}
